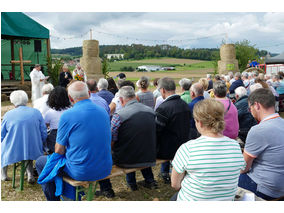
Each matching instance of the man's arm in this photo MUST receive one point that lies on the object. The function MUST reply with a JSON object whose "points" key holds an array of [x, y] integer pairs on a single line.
{"points": [[161, 120], [60, 149], [115, 124], [176, 179], [249, 160]]}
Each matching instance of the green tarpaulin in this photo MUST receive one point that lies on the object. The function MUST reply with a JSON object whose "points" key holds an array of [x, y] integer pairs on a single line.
{"points": [[22, 31], [19, 24]]}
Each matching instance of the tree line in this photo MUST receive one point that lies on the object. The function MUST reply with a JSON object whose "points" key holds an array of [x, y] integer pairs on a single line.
{"points": [[244, 51]]}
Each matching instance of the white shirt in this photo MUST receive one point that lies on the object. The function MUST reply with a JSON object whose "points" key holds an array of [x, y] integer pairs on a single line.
{"points": [[41, 105], [232, 80], [159, 100], [37, 85], [117, 102], [52, 118]]}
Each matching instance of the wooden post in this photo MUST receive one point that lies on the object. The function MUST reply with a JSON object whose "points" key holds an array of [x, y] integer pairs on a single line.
{"points": [[21, 65], [21, 62], [48, 47], [13, 57]]}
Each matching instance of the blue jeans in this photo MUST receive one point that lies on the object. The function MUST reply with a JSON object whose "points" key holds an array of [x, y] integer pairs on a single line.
{"points": [[147, 174], [165, 167], [247, 183], [47, 188]]}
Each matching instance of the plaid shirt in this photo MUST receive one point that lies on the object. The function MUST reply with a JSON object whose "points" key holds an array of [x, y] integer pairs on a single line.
{"points": [[115, 124]]}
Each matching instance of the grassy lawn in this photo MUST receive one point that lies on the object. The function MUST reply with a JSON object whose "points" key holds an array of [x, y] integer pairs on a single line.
{"points": [[180, 65], [123, 193]]}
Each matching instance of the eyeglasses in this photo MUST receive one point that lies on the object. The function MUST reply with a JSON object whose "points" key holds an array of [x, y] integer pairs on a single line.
{"points": [[250, 107]]}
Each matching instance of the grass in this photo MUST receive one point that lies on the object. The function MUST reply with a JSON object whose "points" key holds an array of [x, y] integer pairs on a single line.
{"points": [[180, 65], [123, 193]]}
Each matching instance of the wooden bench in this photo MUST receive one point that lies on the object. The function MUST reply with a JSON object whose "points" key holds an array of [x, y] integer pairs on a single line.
{"points": [[116, 171]]}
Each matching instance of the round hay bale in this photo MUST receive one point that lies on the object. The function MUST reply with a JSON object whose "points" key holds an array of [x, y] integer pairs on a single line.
{"points": [[227, 52], [4, 97], [90, 48]]}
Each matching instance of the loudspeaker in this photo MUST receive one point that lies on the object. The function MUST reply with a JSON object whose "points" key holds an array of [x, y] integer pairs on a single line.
{"points": [[37, 45]]}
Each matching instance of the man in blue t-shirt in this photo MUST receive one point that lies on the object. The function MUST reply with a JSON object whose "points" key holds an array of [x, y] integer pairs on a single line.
{"points": [[264, 148], [84, 137]]}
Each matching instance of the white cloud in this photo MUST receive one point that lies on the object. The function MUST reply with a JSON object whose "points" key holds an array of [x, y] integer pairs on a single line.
{"points": [[262, 29]]}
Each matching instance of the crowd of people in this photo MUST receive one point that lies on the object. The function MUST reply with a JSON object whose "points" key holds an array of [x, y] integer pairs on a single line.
{"points": [[219, 134]]}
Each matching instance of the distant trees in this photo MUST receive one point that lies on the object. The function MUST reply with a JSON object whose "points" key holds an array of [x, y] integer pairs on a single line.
{"points": [[244, 52], [138, 51]]}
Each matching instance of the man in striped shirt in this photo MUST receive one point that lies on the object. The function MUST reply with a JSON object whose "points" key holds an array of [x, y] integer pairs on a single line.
{"points": [[208, 167]]}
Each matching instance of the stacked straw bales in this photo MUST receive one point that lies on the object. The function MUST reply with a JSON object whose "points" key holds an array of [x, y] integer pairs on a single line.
{"points": [[91, 62], [228, 62]]}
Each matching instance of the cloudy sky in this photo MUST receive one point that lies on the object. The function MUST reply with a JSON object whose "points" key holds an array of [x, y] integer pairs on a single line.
{"points": [[186, 30]]}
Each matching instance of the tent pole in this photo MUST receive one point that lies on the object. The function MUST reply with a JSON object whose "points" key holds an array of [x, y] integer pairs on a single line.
{"points": [[13, 56]]}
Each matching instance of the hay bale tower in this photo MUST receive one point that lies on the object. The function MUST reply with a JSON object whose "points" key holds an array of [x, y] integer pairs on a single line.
{"points": [[91, 62], [228, 62]]}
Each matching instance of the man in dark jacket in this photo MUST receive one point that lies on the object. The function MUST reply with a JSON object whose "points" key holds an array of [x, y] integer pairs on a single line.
{"points": [[246, 120], [237, 83], [133, 131], [172, 124]]}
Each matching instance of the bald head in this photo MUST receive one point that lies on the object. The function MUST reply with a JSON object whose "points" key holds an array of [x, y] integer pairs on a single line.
{"points": [[196, 90], [78, 91], [92, 85]]}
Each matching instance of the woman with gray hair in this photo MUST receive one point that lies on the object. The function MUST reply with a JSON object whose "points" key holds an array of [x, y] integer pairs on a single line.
{"points": [[231, 113], [65, 76], [103, 92], [145, 96], [185, 85], [23, 132]]}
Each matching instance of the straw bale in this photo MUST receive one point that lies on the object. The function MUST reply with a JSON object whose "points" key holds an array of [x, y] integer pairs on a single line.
{"points": [[90, 48]]}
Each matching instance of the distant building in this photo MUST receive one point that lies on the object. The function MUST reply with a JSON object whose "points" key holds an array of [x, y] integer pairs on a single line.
{"points": [[149, 68], [114, 56]]}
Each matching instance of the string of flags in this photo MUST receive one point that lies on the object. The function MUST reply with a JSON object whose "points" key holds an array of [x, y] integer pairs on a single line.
{"points": [[138, 39], [158, 41]]}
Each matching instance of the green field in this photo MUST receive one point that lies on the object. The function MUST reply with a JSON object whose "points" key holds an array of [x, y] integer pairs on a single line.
{"points": [[180, 65]]}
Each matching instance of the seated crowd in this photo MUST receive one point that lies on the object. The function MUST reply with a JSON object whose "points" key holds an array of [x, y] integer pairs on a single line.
{"points": [[221, 133]]}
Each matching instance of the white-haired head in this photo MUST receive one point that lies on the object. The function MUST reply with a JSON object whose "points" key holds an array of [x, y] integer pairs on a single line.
{"points": [[227, 78], [245, 75], [126, 92], [47, 88], [208, 76], [240, 92], [185, 83], [255, 87], [19, 98], [78, 90], [102, 84]]}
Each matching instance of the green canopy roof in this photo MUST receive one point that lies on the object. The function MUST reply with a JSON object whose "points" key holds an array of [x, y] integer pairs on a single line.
{"points": [[20, 25]]}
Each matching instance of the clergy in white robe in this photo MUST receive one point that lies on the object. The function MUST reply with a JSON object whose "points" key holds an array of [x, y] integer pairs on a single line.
{"points": [[23, 133], [37, 80]]}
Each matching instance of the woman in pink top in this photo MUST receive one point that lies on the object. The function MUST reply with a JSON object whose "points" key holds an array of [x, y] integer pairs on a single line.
{"points": [[231, 113]]}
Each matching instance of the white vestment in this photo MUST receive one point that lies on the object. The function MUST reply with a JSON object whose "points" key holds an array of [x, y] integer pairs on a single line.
{"points": [[37, 85]]}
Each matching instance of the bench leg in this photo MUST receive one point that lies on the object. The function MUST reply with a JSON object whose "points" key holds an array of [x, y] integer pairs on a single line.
{"points": [[90, 194], [22, 175], [77, 192], [14, 175]]}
